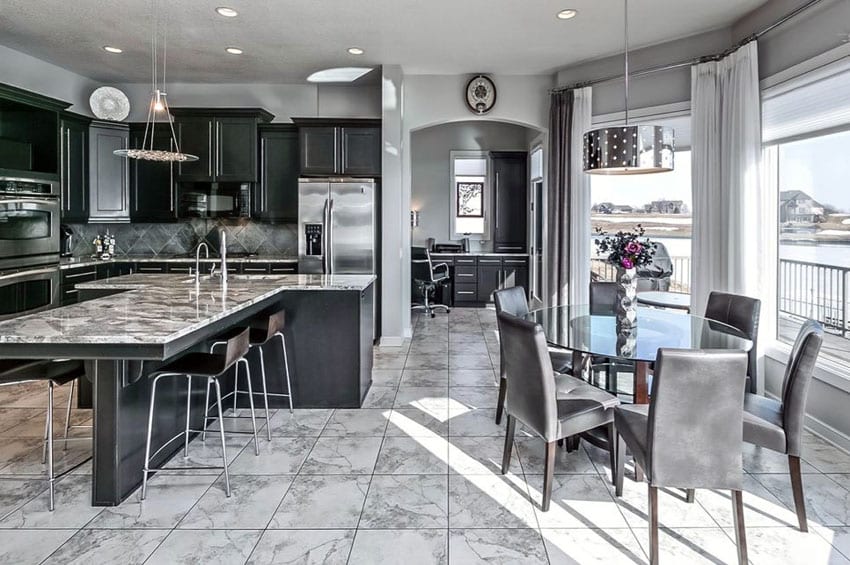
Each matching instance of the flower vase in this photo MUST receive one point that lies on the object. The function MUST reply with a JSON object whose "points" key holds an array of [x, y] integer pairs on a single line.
{"points": [[626, 307]]}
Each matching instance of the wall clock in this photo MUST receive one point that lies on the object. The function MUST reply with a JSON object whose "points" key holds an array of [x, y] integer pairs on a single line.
{"points": [[480, 94]]}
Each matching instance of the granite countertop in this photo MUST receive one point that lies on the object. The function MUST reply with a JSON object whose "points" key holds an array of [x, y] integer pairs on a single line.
{"points": [[159, 309], [69, 262]]}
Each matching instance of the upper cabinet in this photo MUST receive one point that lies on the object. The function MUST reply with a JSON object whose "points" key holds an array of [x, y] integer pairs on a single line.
{"points": [[276, 195], [224, 139], [510, 201], [339, 147], [152, 195], [109, 179], [74, 167]]}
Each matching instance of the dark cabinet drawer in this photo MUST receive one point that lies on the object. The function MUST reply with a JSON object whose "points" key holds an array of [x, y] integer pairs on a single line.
{"points": [[181, 268], [71, 277], [255, 268], [68, 295], [466, 292], [516, 247], [149, 268], [465, 261], [466, 274], [284, 268]]}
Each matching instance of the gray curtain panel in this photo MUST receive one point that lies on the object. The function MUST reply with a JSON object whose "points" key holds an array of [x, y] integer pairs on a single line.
{"points": [[558, 201]]}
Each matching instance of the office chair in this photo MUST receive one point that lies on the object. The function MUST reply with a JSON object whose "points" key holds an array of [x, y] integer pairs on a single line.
{"points": [[427, 277]]}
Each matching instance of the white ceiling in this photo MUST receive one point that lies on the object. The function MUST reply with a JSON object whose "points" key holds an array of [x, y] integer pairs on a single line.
{"points": [[286, 40]]}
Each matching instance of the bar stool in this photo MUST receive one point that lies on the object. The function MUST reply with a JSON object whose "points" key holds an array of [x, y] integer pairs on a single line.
{"points": [[211, 366], [270, 328], [56, 373]]}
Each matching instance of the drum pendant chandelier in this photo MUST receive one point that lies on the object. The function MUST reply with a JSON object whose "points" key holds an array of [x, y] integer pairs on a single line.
{"points": [[157, 110], [628, 149]]}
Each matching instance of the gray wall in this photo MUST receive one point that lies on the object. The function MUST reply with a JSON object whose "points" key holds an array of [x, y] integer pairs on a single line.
{"points": [[430, 168]]}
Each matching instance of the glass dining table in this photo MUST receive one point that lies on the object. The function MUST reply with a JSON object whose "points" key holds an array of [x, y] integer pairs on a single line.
{"points": [[591, 334]]}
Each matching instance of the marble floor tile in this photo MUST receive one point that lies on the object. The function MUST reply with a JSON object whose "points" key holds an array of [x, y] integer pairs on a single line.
{"points": [[73, 507], [430, 345], [477, 422], [760, 460], [406, 501], [107, 547], [20, 453], [380, 397], [790, 546], [691, 545], [473, 377], [532, 452], [208, 453], [305, 547], [389, 360], [16, 491], [300, 423], [423, 397], [169, 498], [342, 455], [479, 456], [471, 362], [419, 422], [837, 536], [386, 377], [468, 348], [761, 508], [322, 501], [23, 547], [578, 501], [357, 422], [827, 503], [413, 456], [614, 546], [422, 361], [824, 456], [252, 503], [29, 463], [425, 378], [280, 456], [673, 511], [489, 501], [384, 547], [223, 547], [492, 546], [475, 396]]}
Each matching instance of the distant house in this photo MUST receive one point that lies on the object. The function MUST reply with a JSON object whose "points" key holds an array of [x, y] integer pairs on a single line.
{"points": [[666, 207], [611, 208], [797, 206]]}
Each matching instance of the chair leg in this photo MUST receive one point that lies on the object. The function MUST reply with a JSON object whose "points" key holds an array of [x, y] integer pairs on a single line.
{"points": [[500, 403], [188, 415], [510, 428], [50, 478], [265, 391], [286, 369], [638, 472], [250, 402], [221, 434], [621, 466], [797, 489], [206, 411], [653, 525], [146, 468], [68, 415], [740, 530], [549, 473], [690, 495], [612, 451]]}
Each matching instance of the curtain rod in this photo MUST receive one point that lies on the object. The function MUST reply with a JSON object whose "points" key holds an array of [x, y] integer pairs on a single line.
{"points": [[705, 58]]}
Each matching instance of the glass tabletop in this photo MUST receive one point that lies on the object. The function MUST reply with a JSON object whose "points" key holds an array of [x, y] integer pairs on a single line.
{"points": [[577, 329]]}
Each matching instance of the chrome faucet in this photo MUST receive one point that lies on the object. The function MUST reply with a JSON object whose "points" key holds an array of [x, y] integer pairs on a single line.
{"points": [[222, 245], [198, 260]]}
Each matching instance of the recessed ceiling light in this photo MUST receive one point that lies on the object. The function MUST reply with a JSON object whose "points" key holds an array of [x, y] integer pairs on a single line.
{"points": [[340, 74], [567, 14], [110, 49], [355, 51], [233, 50], [226, 12]]}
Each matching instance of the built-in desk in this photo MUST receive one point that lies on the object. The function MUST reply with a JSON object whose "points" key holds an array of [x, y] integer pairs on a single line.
{"points": [[476, 276]]}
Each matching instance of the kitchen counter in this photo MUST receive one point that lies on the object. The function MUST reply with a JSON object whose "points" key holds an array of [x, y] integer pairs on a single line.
{"points": [[71, 262], [472, 254]]}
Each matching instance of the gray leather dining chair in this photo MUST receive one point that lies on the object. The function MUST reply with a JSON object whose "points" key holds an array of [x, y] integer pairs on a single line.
{"points": [[742, 313], [682, 441], [603, 298], [532, 398], [778, 424], [513, 301]]}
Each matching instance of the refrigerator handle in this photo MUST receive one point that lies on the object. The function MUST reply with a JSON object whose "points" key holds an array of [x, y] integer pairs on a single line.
{"points": [[325, 249], [330, 236]]}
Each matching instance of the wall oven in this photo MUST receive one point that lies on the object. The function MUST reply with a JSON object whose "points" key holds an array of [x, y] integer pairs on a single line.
{"points": [[29, 222], [28, 292]]}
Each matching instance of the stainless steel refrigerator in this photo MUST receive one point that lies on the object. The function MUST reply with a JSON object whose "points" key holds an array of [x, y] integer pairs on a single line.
{"points": [[336, 226]]}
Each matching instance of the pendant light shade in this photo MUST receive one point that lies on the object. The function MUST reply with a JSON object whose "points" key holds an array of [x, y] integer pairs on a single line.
{"points": [[628, 150]]}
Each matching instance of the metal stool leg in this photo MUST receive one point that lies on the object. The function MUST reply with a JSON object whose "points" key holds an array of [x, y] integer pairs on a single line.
{"points": [[206, 412], [68, 414], [50, 477], [188, 415], [221, 433], [250, 402], [146, 468], [286, 369], [265, 391], [44, 442]]}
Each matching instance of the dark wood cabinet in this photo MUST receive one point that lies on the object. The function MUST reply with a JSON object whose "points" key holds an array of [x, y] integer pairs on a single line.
{"points": [[276, 195], [74, 164], [152, 192], [224, 139], [489, 279], [108, 173], [515, 273], [339, 147], [510, 201]]}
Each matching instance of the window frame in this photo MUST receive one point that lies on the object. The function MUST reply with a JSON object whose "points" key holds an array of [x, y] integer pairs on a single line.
{"points": [[487, 233]]}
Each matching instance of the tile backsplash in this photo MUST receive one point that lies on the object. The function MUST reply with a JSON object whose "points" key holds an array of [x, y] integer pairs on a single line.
{"points": [[243, 236]]}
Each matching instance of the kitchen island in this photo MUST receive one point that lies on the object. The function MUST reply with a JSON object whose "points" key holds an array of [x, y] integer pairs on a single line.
{"points": [[129, 326]]}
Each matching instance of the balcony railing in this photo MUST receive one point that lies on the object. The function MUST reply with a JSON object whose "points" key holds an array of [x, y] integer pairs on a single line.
{"points": [[805, 290]]}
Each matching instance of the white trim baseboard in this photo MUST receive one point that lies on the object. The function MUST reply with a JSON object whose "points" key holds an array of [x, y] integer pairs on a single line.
{"points": [[391, 341]]}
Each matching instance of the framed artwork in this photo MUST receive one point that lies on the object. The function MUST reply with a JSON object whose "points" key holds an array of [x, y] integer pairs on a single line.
{"points": [[470, 199]]}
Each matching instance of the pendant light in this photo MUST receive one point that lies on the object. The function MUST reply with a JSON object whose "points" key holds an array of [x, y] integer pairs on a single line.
{"points": [[628, 149], [158, 110]]}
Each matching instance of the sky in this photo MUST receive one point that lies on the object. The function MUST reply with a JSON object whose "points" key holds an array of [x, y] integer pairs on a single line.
{"points": [[818, 166], [637, 190]]}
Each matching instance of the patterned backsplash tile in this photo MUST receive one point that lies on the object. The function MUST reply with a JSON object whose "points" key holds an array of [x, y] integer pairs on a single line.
{"points": [[243, 236]]}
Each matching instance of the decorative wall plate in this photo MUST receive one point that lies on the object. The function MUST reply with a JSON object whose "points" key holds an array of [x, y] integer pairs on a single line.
{"points": [[480, 94], [108, 103]]}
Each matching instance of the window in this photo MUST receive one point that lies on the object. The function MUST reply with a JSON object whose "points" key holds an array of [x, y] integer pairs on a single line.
{"points": [[469, 194], [661, 203], [536, 174], [806, 128]]}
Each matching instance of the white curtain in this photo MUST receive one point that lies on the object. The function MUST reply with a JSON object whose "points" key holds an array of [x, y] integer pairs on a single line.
{"points": [[732, 243], [580, 203]]}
